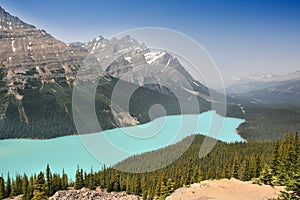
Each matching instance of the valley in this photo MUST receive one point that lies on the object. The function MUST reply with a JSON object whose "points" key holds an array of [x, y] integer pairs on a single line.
{"points": [[148, 131]]}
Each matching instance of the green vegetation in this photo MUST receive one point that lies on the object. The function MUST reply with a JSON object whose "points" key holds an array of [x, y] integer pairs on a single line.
{"points": [[46, 110], [274, 163], [268, 122]]}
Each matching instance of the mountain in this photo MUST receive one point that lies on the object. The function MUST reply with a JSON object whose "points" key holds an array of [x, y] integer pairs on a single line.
{"points": [[135, 63], [37, 74], [268, 88]]}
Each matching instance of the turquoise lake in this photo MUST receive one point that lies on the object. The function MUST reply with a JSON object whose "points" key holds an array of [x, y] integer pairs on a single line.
{"points": [[32, 156]]}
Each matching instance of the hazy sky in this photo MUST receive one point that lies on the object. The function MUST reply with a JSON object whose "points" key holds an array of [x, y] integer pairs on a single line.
{"points": [[241, 36]]}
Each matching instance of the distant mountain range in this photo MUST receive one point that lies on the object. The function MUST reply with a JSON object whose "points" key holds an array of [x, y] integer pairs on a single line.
{"points": [[268, 88]]}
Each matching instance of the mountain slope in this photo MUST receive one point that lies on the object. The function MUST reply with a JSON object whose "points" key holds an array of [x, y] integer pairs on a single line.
{"points": [[135, 63], [280, 93], [37, 74], [268, 88]]}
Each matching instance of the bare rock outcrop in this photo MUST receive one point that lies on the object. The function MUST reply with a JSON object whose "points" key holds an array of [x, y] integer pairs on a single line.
{"points": [[87, 194]]}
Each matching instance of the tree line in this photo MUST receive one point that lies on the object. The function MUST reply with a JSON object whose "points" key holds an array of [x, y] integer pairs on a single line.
{"points": [[273, 163]]}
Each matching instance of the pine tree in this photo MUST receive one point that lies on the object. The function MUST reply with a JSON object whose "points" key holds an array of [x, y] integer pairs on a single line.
{"points": [[49, 190], [169, 187], [103, 181], [225, 172], [258, 165], [145, 194], [64, 181], [78, 179], [144, 187], [39, 188], [266, 176], [235, 168], [150, 194], [2, 188], [163, 190], [252, 167], [189, 173], [297, 150], [275, 160], [294, 187], [127, 185], [177, 178], [246, 171], [13, 189], [30, 190], [19, 181], [25, 187], [116, 182], [91, 180], [291, 156], [56, 183], [158, 187], [8, 186]]}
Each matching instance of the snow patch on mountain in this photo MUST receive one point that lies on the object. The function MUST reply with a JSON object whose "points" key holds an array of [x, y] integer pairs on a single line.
{"points": [[151, 57]]}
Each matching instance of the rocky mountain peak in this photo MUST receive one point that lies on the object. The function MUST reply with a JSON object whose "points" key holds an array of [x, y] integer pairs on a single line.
{"points": [[29, 54], [8, 22]]}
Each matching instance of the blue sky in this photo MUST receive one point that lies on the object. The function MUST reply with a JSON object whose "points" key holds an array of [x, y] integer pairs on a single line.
{"points": [[241, 36]]}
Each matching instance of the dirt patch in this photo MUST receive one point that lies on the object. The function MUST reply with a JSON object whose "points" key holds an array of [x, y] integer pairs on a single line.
{"points": [[225, 189]]}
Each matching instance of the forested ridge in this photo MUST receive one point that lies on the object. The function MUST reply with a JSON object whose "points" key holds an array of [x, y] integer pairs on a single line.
{"points": [[45, 111], [273, 163]]}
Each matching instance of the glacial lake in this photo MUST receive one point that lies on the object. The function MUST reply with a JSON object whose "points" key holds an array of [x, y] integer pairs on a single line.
{"points": [[32, 156]]}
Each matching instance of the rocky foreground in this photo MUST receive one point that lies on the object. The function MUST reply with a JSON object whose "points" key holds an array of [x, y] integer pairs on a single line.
{"points": [[86, 194], [225, 189]]}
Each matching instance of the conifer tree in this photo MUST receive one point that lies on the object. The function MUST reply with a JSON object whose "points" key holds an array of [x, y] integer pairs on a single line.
{"points": [[2, 188], [246, 171], [91, 180], [226, 173], [13, 189], [275, 160], [56, 183], [252, 167], [30, 189], [235, 168], [39, 192], [25, 186], [258, 166], [64, 181], [8, 186], [79, 179], [128, 184], [49, 189]]}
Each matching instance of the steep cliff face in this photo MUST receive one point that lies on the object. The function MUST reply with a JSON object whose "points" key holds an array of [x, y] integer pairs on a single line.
{"points": [[28, 53], [37, 72]]}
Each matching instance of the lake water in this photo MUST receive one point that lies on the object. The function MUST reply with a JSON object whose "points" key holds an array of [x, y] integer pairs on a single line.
{"points": [[32, 156]]}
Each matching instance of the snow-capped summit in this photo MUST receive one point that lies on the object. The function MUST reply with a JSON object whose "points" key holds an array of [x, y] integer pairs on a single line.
{"points": [[130, 60], [151, 57]]}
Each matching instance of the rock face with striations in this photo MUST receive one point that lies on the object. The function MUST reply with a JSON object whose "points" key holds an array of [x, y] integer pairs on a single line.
{"points": [[28, 53], [36, 75]]}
